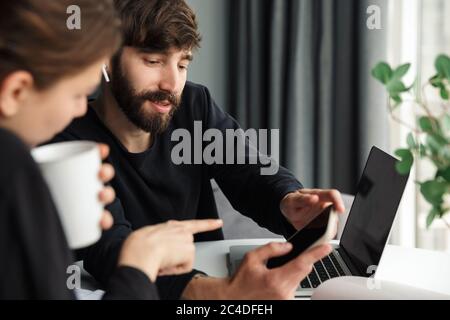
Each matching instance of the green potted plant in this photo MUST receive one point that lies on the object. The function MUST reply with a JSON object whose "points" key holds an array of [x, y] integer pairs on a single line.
{"points": [[430, 140]]}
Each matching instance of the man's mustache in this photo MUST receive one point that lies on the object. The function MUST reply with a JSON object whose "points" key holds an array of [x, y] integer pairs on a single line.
{"points": [[161, 96]]}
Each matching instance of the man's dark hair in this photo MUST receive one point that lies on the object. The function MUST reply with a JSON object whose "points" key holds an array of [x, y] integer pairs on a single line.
{"points": [[158, 24]]}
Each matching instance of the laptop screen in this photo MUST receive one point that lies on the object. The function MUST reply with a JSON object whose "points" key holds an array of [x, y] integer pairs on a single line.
{"points": [[373, 211]]}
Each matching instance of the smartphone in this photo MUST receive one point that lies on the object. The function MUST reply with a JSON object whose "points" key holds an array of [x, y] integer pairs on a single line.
{"points": [[321, 230]]}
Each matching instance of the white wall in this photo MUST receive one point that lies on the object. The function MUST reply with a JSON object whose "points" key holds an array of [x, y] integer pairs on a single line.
{"points": [[210, 63]]}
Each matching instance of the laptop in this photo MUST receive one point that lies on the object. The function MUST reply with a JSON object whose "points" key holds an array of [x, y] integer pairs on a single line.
{"points": [[366, 232]]}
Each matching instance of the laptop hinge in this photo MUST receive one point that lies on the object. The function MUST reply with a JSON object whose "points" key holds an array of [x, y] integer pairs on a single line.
{"points": [[348, 261]]}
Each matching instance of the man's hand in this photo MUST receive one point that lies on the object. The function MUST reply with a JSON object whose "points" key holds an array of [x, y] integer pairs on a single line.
{"points": [[302, 206], [254, 281]]}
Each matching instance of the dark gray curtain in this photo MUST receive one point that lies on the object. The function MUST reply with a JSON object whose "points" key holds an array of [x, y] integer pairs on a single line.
{"points": [[303, 66]]}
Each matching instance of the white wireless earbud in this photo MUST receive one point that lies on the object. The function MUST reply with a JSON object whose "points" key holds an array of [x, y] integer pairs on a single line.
{"points": [[105, 73]]}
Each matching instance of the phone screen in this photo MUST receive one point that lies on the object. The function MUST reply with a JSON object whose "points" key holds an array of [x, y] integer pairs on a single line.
{"points": [[303, 238]]}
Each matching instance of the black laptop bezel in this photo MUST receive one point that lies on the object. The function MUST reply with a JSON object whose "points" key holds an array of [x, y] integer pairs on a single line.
{"points": [[353, 267]]}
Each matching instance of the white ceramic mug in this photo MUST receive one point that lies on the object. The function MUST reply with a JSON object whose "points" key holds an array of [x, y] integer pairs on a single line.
{"points": [[71, 170]]}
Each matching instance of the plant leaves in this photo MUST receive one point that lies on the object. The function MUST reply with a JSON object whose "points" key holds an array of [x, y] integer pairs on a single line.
{"points": [[436, 81], [382, 72], [435, 144], [444, 93], [445, 123], [445, 174], [431, 216], [444, 153], [404, 165], [397, 99], [401, 71], [426, 124], [443, 66], [395, 87], [433, 191], [422, 150], [411, 141]]}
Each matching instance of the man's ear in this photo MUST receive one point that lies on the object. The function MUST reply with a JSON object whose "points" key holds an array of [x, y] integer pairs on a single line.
{"points": [[13, 91]]}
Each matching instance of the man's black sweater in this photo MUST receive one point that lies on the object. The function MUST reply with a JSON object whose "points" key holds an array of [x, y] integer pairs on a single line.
{"points": [[151, 189]]}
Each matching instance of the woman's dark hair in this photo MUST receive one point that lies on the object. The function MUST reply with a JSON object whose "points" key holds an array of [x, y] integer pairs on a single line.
{"points": [[35, 37]]}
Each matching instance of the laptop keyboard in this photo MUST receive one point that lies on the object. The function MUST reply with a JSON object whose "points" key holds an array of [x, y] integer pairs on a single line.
{"points": [[325, 269]]}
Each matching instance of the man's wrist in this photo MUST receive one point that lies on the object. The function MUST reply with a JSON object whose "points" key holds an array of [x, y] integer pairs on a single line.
{"points": [[202, 287]]}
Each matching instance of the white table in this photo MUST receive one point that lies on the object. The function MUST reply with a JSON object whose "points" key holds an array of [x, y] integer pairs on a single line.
{"points": [[210, 256], [414, 267], [423, 269]]}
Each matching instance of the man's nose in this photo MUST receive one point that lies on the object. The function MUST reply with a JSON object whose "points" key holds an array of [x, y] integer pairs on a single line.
{"points": [[169, 79]]}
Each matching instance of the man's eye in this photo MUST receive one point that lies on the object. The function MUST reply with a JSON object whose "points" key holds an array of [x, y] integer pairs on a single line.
{"points": [[183, 67], [151, 62]]}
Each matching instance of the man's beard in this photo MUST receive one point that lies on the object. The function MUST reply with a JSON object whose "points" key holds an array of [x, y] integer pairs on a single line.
{"points": [[132, 103]]}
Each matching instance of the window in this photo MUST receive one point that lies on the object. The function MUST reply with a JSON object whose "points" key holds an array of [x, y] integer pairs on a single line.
{"points": [[418, 31]]}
